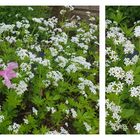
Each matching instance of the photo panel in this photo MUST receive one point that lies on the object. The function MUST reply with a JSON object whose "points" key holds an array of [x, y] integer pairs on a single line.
{"points": [[49, 70], [122, 69]]}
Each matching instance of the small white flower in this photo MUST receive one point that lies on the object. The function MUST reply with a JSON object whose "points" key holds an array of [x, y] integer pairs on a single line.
{"points": [[72, 68], [26, 121], [84, 83], [114, 87], [137, 31], [87, 126], [63, 130], [56, 76], [81, 60], [137, 127], [129, 77], [15, 127], [53, 51], [38, 20], [135, 91], [1, 118], [62, 12], [21, 87], [30, 9], [62, 61], [117, 72], [35, 111], [74, 113]]}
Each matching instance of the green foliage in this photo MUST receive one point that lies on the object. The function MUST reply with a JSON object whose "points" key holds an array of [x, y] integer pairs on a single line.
{"points": [[32, 106], [126, 14], [122, 34], [11, 14]]}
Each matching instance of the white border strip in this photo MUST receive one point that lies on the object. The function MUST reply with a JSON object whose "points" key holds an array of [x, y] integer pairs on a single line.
{"points": [[102, 70]]}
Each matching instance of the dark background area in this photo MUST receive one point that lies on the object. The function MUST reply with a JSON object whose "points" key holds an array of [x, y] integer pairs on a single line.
{"points": [[41, 11], [131, 13]]}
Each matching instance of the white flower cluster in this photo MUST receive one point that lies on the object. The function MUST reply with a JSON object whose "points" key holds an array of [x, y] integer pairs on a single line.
{"points": [[51, 22], [10, 39], [84, 37], [87, 36], [82, 61], [88, 83], [80, 45], [20, 88], [118, 37], [59, 38], [116, 34], [83, 46], [115, 111], [128, 61], [128, 47], [23, 53], [54, 77], [25, 67], [72, 68], [23, 24], [36, 47], [62, 61], [71, 24], [38, 20], [14, 128], [137, 31], [53, 51], [6, 27], [129, 77], [117, 72], [114, 87], [112, 54], [135, 91]]}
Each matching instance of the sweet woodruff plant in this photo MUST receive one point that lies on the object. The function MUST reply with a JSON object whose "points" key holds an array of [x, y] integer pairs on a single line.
{"points": [[122, 76], [49, 74]]}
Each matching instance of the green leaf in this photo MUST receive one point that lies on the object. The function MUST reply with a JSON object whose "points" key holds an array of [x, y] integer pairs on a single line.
{"points": [[137, 79], [127, 113], [137, 71]]}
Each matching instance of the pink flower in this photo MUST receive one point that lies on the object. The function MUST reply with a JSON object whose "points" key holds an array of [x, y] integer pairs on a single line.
{"points": [[8, 73]]}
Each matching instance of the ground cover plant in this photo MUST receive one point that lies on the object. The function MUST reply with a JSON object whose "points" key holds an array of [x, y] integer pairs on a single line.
{"points": [[49, 71], [122, 75]]}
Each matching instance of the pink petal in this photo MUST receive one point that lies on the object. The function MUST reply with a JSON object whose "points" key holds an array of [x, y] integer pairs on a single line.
{"points": [[7, 82], [2, 73], [10, 74], [12, 65]]}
